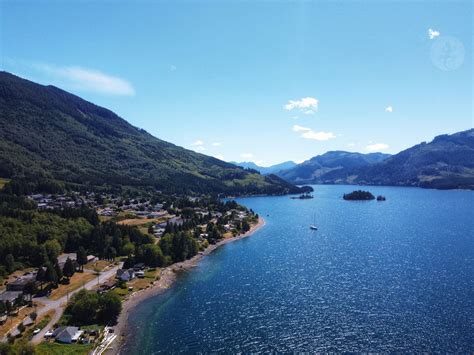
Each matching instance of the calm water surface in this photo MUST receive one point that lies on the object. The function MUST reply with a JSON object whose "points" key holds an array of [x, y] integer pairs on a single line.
{"points": [[377, 276]]}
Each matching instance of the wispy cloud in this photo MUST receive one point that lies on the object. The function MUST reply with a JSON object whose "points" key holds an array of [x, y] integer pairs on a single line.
{"points": [[216, 144], [307, 105], [389, 109], [298, 128], [351, 144], [85, 79], [318, 136], [308, 133], [173, 67], [219, 156], [377, 147], [200, 149], [198, 142], [246, 155], [433, 33]]}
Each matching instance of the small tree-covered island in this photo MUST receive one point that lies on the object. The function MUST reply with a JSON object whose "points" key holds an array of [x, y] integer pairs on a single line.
{"points": [[358, 195]]}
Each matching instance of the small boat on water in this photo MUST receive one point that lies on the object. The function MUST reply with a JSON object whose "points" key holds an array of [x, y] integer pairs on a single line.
{"points": [[313, 226]]}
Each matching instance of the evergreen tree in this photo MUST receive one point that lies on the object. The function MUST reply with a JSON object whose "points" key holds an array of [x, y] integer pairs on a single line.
{"points": [[81, 257], [68, 269], [10, 263], [51, 275], [41, 276], [59, 272]]}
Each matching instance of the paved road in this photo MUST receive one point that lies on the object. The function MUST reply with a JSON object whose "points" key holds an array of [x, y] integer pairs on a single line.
{"points": [[59, 304]]}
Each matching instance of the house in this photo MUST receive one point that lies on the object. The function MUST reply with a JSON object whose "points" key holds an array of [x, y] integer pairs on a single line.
{"points": [[10, 296], [176, 220], [27, 321], [91, 258], [106, 286], [157, 214], [20, 283], [139, 266], [125, 275], [158, 232], [67, 335]]}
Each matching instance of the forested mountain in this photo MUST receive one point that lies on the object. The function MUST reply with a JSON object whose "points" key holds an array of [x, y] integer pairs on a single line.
{"points": [[273, 169], [47, 133], [331, 163], [445, 163]]}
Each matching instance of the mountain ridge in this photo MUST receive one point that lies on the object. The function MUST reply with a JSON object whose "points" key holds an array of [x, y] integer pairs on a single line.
{"points": [[314, 170], [48, 133], [272, 169], [446, 162]]}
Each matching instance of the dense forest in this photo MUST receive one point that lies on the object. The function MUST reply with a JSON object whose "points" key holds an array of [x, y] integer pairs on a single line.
{"points": [[32, 238]]}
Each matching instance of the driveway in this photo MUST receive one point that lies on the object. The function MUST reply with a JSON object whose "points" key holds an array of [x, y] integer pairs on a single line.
{"points": [[59, 304]]}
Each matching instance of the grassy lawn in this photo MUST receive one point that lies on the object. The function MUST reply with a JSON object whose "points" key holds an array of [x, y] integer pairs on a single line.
{"points": [[3, 182], [121, 292], [139, 284], [99, 265], [141, 221], [60, 349], [13, 321], [76, 281]]}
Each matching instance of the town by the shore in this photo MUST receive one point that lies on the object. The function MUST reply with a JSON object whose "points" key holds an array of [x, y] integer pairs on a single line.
{"points": [[167, 278]]}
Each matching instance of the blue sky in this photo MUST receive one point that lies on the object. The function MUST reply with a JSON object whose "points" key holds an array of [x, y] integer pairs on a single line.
{"points": [[266, 81]]}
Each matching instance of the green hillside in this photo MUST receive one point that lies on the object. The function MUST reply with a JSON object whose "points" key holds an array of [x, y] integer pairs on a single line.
{"points": [[47, 133]]}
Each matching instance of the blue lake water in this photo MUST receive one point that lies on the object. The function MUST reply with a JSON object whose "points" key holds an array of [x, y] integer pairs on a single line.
{"points": [[377, 276]]}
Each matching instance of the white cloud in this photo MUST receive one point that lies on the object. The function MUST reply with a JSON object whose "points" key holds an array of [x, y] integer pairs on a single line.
{"points": [[308, 133], [389, 109], [351, 144], [219, 156], [307, 105], [246, 155], [432, 33], [318, 136], [377, 147], [87, 80], [200, 149], [298, 128], [216, 144], [173, 67], [198, 142]]}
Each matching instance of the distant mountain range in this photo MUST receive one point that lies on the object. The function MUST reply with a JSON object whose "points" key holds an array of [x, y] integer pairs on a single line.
{"points": [[447, 162], [265, 170], [49, 134], [315, 170]]}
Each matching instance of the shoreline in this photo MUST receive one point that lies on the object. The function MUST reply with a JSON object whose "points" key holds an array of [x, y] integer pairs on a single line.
{"points": [[167, 278]]}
